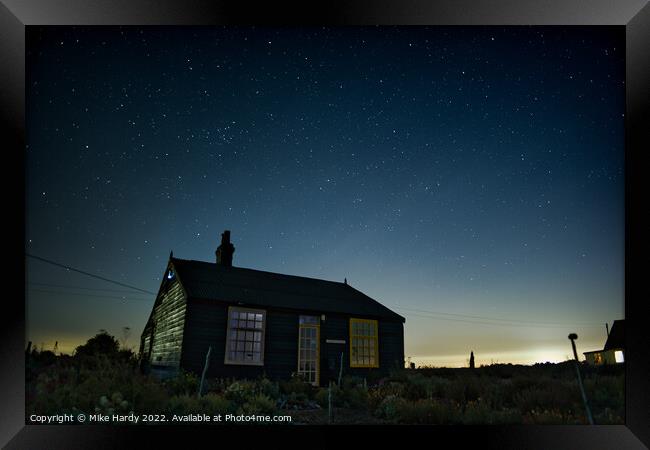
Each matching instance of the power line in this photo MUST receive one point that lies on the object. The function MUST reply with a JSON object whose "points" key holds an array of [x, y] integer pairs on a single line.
{"points": [[496, 319], [501, 324], [87, 295], [89, 274], [85, 288]]}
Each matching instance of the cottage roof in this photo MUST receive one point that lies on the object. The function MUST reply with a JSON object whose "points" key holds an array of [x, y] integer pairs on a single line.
{"points": [[204, 280], [616, 338]]}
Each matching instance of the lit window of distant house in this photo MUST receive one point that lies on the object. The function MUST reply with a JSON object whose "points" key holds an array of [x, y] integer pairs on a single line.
{"points": [[618, 355], [364, 348], [598, 358], [245, 338]]}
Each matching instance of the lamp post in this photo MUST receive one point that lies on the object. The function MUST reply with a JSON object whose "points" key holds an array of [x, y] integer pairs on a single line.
{"points": [[572, 338]]}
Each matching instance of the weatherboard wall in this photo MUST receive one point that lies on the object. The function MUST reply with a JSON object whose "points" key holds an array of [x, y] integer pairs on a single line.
{"points": [[206, 326], [336, 327], [167, 324]]}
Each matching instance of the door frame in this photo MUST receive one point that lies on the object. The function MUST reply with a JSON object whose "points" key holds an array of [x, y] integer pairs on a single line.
{"points": [[317, 357]]}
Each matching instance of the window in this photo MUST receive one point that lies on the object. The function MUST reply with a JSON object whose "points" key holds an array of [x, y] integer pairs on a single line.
{"points": [[308, 348], [618, 356], [364, 348], [245, 338], [598, 358]]}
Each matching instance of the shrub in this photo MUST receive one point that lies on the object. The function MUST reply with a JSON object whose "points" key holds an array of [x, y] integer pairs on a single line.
{"points": [[238, 392], [416, 387], [606, 393], [480, 413], [398, 375], [269, 388], [211, 404], [216, 385], [350, 382], [216, 404], [112, 405], [387, 409], [356, 397], [427, 411], [455, 390], [148, 395], [296, 385], [184, 383], [438, 386], [259, 404], [322, 396], [101, 344], [551, 417], [560, 395]]}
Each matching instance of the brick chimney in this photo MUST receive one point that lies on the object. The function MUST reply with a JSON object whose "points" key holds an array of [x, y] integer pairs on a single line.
{"points": [[225, 250]]}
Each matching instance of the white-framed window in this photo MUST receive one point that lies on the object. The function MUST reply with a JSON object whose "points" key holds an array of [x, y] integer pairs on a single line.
{"points": [[245, 336]]}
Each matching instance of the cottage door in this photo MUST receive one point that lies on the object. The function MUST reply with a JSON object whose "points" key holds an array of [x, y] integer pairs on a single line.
{"points": [[309, 349]]}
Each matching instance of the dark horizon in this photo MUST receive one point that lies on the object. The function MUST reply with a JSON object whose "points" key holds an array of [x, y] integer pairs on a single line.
{"points": [[470, 178]]}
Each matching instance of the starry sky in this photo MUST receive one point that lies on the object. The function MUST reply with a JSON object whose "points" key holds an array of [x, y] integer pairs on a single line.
{"points": [[469, 178]]}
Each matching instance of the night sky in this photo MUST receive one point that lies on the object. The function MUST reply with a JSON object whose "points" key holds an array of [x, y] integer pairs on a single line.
{"points": [[470, 178]]}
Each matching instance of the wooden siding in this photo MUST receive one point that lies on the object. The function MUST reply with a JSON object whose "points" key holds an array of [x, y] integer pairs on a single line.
{"points": [[206, 326], [206, 323], [167, 323], [337, 327]]}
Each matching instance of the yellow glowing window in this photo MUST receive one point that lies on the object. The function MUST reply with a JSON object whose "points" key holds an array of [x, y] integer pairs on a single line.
{"points": [[364, 348]]}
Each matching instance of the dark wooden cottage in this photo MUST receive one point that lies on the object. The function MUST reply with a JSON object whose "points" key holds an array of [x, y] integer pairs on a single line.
{"points": [[261, 323]]}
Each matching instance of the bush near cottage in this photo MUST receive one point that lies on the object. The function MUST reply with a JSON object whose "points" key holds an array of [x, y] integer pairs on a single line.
{"points": [[185, 383]]}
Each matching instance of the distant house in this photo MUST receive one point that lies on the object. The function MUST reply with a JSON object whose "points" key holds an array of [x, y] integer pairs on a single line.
{"points": [[614, 350], [257, 322]]}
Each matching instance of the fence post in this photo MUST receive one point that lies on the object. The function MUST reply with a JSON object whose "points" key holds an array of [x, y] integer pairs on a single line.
{"points": [[205, 369], [329, 403], [340, 369]]}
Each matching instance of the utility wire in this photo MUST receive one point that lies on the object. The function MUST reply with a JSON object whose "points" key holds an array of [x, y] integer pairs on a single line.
{"points": [[85, 288], [500, 324], [89, 274], [87, 295], [496, 319]]}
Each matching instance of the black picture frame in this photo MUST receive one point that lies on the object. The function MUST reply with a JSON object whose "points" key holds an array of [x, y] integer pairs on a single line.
{"points": [[634, 15]]}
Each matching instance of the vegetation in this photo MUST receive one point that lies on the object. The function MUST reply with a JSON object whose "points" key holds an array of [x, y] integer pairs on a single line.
{"points": [[102, 378]]}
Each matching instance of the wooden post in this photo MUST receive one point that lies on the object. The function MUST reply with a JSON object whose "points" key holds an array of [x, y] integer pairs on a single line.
{"points": [[329, 403], [572, 338], [205, 369]]}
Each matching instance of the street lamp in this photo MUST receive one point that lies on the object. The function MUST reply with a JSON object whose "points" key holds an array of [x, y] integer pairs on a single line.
{"points": [[572, 338]]}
